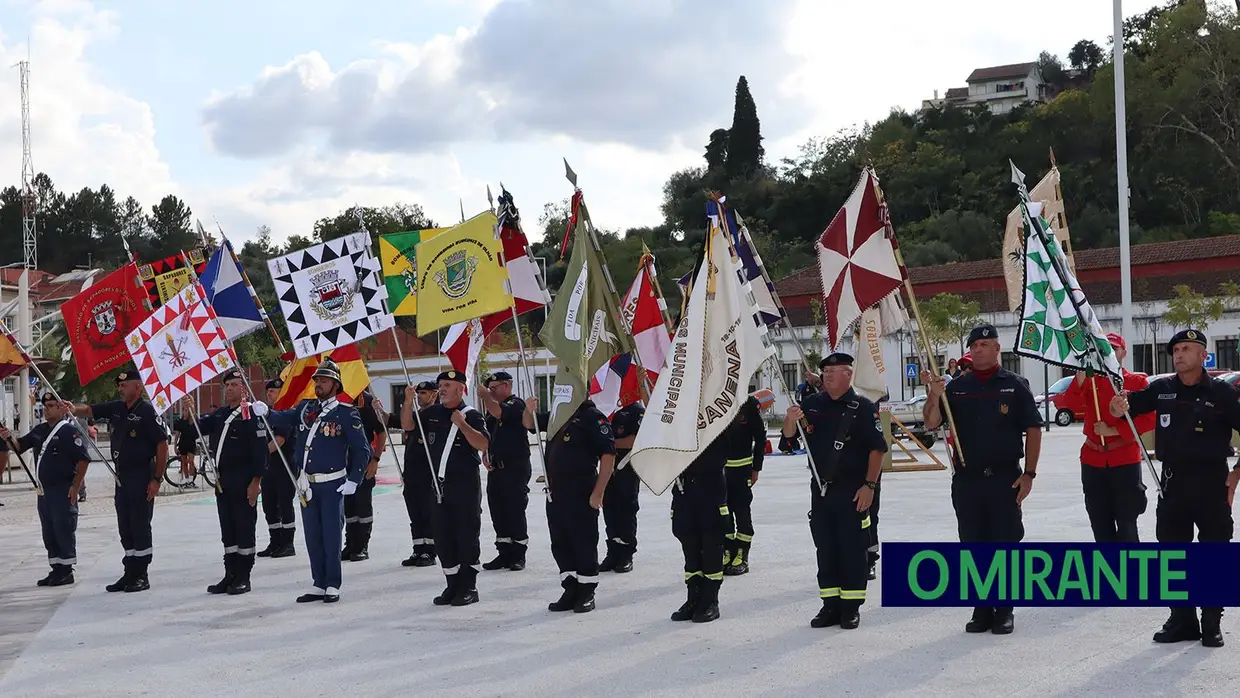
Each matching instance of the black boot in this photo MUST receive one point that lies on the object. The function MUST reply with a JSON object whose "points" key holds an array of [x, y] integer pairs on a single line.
{"points": [[61, 575], [1211, 627], [850, 615], [1005, 621], [708, 609], [350, 537], [872, 556], [50, 576], [467, 593], [285, 548], [501, 558], [585, 598], [361, 551], [729, 551], [609, 560], [567, 599], [120, 584], [983, 620], [1180, 627], [425, 556], [625, 563], [740, 561], [689, 607], [449, 591], [516, 557], [139, 582], [243, 564], [829, 615], [273, 542], [230, 575]]}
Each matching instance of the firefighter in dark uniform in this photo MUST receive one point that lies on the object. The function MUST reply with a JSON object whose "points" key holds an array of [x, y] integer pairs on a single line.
{"points": [[1196, 416], [60, 462], [847, 444], [510, 421], [620, 501], [997, 424], [584, 443], [279, 491], [746, 448], [419, 489], [457, 434], [332, 453], [140, 451], [700, 520], [237, 441], [359, 508]]}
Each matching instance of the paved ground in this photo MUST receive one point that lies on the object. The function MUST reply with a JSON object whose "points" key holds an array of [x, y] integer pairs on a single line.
{"points": [[385, 637]]}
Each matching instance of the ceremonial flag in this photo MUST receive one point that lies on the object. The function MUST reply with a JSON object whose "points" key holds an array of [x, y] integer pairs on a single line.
{"points": [[330, 294], [463, 345], [870, 365], [856, 260], [1050, 196], [523, 279], [614, 385], [164, 278], [643, 316], [11, 360], [236, 306], [1057, 324], [179, 347], [460, 276], [298, 376], [398, 254], [98, 319], [719, 345], [751, 264]]}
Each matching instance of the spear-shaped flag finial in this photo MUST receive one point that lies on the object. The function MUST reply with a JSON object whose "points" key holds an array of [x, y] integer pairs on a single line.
{"points": [[1018, 177], [491, 198], [568, 172], [361, 217], [462, 201]]}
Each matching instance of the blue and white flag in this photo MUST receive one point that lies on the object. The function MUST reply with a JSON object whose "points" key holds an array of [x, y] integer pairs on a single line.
{"points": [[237, 309]]}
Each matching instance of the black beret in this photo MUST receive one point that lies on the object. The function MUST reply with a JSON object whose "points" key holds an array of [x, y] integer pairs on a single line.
{"points": [[452, 376], [232, 374], [839, 358], [127, 376], [427, 385], [499, 376], [49, 396], [275, 384], [983, 332], [1185, 336]]}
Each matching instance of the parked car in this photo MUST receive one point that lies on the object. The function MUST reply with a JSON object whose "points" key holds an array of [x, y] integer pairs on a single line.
{"points": [[1061, 413], [908, 412]]}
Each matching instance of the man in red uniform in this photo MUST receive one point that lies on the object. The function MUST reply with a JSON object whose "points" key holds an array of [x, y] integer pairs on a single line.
{"points": [[1111, 454]]}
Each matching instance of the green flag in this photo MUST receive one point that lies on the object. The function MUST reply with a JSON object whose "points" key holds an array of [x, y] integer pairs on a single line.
{"points": [[581, 329], [400, 268]]}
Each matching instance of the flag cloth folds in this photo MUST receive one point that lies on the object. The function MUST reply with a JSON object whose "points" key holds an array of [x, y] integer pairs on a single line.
{"points": [[98, 319], [398, 254], [751, 262], [719, 345], [236, 306], [460, 276], [1057, 324], [1050, 195], [523, 279], [298, 376], [11, 360], [643, 317], [330, 294], [179, 347], [463, 345], [164, 278], [614, 385], [856, 259], [870, 365]]}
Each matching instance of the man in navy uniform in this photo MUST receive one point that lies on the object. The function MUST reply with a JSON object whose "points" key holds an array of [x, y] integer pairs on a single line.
{"points": [[997, 423], [510, 421], [60, 465], [359, 508], [332, 453], [279, 490], [620, 504], [584, 443], [140, 451], [746, 448], [419, 488], [1196, 417], [700, 519], [457, 436], [847, 444], [237, 440]]}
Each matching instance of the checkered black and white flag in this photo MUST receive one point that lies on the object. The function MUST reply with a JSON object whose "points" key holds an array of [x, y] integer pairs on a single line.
{"points": [[331, 294]]}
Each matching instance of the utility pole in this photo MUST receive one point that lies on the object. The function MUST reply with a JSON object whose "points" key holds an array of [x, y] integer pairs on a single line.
{"points": [[30, 250], [1121, 161]]}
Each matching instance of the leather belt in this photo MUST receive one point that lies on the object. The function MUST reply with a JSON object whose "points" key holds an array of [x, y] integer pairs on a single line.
{"points": [[326, 477]]}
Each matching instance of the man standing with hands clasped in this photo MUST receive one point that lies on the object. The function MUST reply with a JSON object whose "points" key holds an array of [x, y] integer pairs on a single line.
{"points": [[1192, 438], [997, 423], [510, 421]]}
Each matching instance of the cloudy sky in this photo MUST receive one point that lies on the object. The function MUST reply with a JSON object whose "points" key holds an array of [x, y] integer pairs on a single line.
{"points": [[280, 112]]}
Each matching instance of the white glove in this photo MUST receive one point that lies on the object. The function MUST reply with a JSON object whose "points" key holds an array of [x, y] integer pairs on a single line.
{"points": [[260, 409], [348, 488], [303, 486]]}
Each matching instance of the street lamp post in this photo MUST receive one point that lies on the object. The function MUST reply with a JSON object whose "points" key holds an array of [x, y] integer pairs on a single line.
{"points": [[1121, 168]]}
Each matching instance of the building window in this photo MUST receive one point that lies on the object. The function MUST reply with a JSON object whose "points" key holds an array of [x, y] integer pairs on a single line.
{"points": [[398, 398], [1010, 361], [792, 374], [544, 391], [1228, 353]]}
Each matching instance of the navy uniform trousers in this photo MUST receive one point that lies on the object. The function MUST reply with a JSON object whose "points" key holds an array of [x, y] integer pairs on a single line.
{"points": [[323, 523], [841, 538], [278, 504], [58, 517], [133, 519]]}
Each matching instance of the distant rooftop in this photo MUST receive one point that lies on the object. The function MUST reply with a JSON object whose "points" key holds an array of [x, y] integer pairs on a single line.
{"points": [[1000, 72]]}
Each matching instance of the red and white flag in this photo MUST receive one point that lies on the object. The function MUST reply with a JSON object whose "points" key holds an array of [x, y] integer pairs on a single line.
{"points": [[856, 259], [615, 385], [463, 345], [523, 279], [643, 316], [179, 347]]}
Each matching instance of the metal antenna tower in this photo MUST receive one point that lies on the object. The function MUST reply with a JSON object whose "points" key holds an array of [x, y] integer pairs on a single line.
{"points": [[30, 244]]}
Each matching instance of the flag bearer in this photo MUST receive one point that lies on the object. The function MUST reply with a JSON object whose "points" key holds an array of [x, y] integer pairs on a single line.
{"points": [[279, 492], [746, 448], [1196, 416], [60, 462], [847, 444], [510, 421], [457, 435], [700, 520], [997, 423], [238, 443], [359, 508], [419, 489], [620, 502], [584, 443], [140, 451], [332, 453]]}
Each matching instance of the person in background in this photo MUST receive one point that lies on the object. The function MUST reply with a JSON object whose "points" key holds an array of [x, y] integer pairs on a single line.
{"points": [[93, 432], [953, 368]]}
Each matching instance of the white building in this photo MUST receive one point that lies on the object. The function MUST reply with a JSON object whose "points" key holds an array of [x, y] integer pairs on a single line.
{"points": [[1000, 88]]}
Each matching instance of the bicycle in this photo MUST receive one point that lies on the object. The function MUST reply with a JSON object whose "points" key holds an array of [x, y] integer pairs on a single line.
{"points": [[202, 468]]}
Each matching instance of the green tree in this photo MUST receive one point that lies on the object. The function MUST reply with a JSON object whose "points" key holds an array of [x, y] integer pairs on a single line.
{"points": [[744, 144], [1189, 308], [949, 318], [1086, 55]]}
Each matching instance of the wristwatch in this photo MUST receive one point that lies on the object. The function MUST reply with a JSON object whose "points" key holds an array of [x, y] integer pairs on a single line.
{"points": [[1030, 473], [871, 484]]}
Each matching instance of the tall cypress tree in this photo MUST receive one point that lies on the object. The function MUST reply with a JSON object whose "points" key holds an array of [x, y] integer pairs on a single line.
{"points": [[717, 151], [745, 137]]}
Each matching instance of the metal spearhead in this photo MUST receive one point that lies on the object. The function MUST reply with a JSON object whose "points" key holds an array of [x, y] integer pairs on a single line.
{"points": [[568, 172]]}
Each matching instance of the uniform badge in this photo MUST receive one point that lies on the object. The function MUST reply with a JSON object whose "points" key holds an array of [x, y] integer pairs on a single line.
{"points": [[566, 437], [133, 434], [603, 429], [430, 438], [1164, 420], [1003, 408], [77, 441]]}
